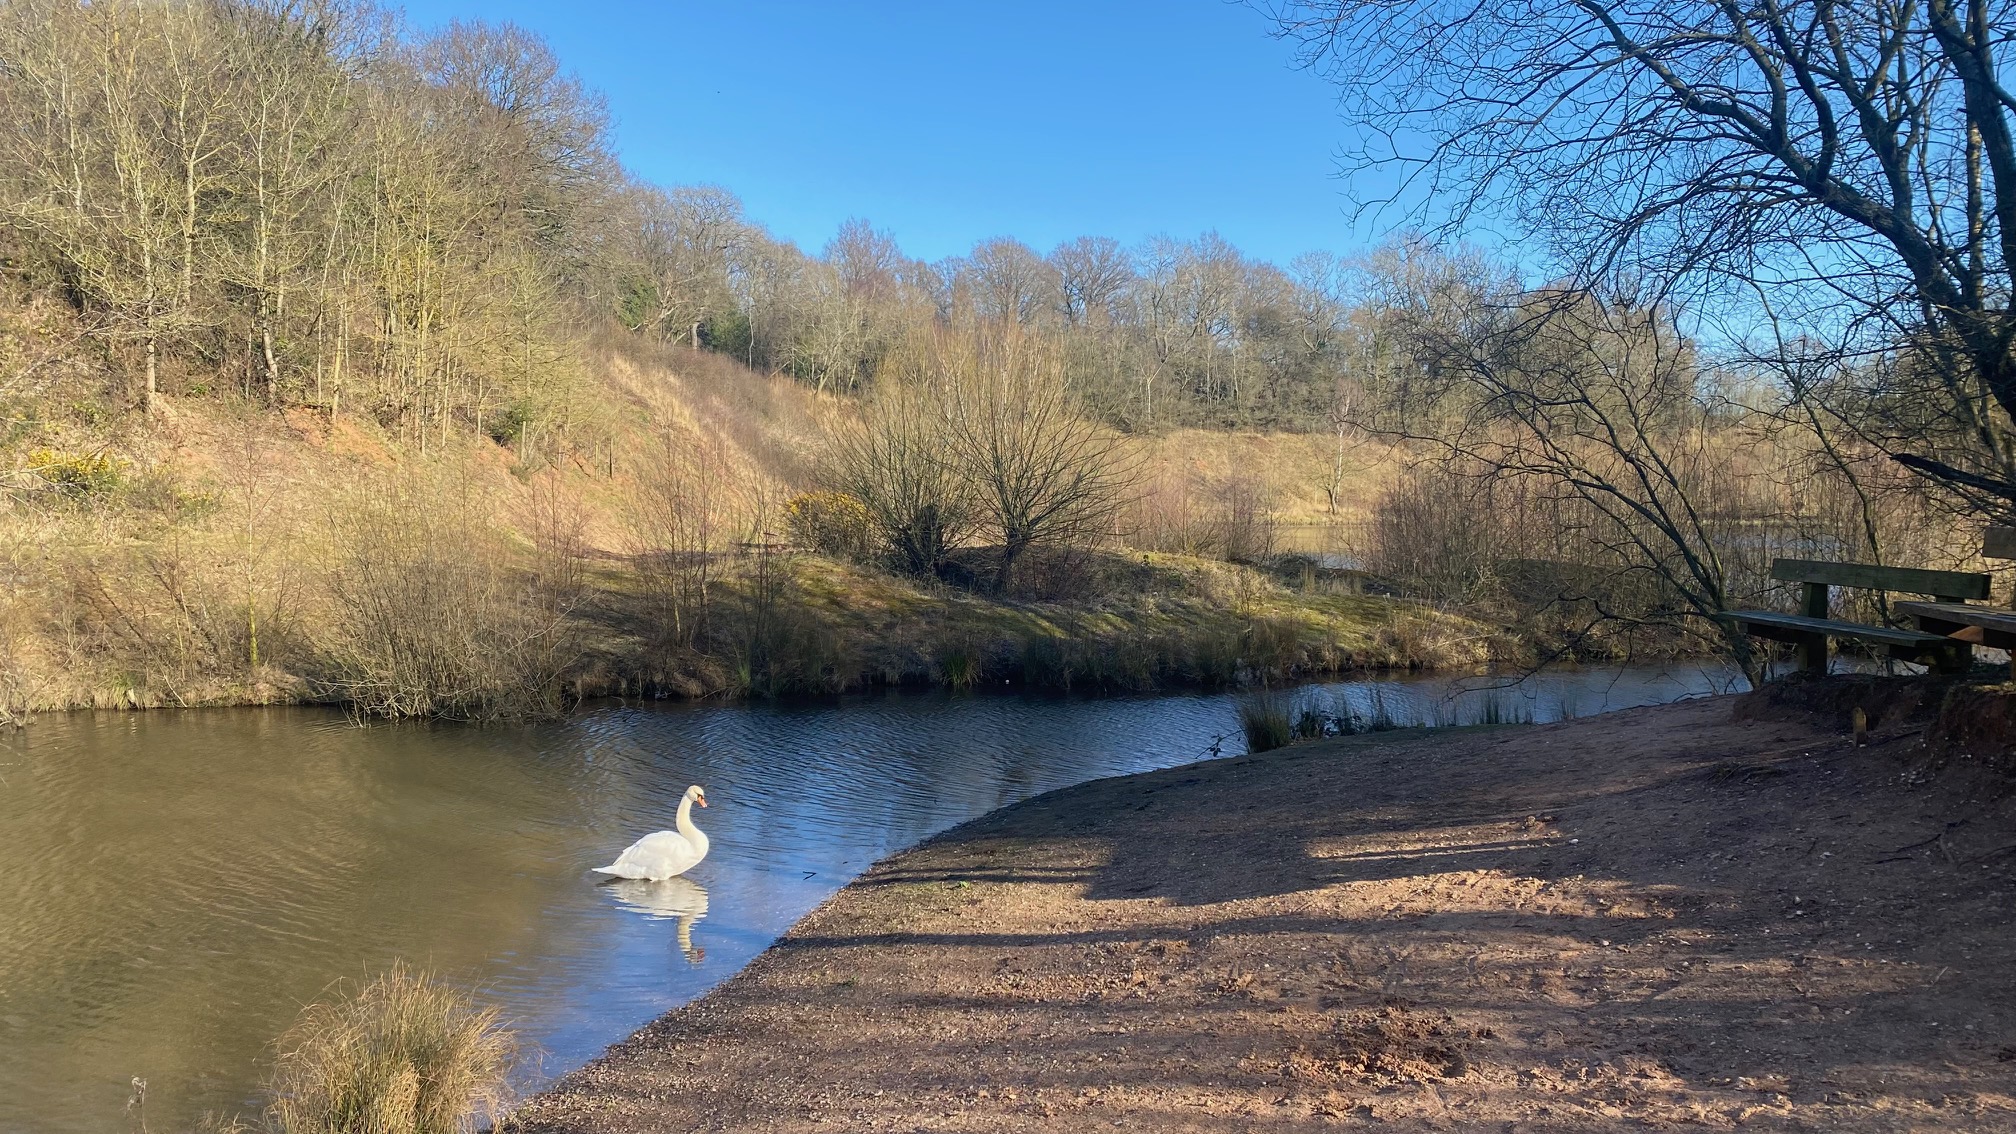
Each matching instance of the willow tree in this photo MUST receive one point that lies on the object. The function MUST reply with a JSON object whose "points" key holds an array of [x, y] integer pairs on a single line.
{"points": [[895, 458]]}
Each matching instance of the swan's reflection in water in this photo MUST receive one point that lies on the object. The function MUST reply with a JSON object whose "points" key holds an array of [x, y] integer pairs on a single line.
{"points": [[680, 898]]}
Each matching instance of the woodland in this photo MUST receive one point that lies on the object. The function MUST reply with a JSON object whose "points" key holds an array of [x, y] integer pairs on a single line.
{"points": [[342, 362]]}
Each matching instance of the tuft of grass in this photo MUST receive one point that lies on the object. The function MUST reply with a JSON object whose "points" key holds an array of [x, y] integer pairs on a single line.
{"points": [[1268, 721], [960, 665], [1501, 707], [404, 1054], [1380, 718], [1312, 724]]}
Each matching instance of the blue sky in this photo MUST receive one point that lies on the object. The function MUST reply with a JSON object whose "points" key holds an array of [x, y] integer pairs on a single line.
{"points": [[947, 123]]}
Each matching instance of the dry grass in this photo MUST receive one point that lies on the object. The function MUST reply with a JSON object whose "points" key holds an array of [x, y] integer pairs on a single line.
{"points": [[404, 1054], [1267, 720], [249, 557], [1295, 469]]}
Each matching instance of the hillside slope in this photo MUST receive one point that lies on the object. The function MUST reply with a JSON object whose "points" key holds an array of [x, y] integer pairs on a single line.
{"points": [[213, 550]]}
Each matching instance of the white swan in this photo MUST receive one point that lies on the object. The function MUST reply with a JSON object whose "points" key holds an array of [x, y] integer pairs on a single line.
{"points": [[664, 854]]}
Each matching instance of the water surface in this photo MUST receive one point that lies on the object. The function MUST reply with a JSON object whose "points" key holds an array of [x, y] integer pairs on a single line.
{"points": [[175, 885]]}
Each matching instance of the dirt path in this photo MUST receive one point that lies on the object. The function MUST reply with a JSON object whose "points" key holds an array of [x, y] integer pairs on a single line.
{"points": [[1649, 919]]}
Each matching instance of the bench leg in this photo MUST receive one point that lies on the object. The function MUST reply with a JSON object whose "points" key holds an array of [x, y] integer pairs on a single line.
{"points": [[1813, 653], [1813, 647], [2000, 640], [1960, 658]]}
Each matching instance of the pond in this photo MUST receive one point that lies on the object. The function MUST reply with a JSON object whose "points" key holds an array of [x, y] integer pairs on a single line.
{"points": [[176, 885]]}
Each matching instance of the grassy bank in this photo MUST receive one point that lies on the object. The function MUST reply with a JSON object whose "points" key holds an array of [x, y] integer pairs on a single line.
{"points": [[1134, 622], [470, 639], [213, 552]]}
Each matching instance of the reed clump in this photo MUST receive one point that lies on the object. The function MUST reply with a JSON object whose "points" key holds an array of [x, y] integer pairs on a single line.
{"points": [[404, 1054], [1268, 721]]}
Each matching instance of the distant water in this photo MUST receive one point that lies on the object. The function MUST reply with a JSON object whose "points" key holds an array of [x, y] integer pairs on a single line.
{"points": [[175, 885]]}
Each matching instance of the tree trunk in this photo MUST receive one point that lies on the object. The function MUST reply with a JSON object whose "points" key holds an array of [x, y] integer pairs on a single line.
{"points": [[1012, 548], [272, 363]]}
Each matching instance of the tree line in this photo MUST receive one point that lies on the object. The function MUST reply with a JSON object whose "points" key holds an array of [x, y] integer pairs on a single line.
{"points": [[1171, 332], [305, 200], [295, 199]]}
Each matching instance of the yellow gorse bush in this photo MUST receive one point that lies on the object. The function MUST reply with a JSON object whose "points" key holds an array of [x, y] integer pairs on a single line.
{"points": [[831, 523], [83, 474]]}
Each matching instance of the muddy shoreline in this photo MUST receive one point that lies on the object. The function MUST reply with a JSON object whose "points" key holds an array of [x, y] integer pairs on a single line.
{"points": [[1656, 917]]}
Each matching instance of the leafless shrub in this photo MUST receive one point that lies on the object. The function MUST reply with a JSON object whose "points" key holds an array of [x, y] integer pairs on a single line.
{"points": [[679, 524], [1183, 512], [433, 618], [1439, 535], [896, 460], [1168, 515], [1246, 530], [15, 680]]}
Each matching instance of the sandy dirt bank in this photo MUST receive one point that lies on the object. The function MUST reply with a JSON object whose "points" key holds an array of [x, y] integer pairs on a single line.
{"points": [[1657, 918]]}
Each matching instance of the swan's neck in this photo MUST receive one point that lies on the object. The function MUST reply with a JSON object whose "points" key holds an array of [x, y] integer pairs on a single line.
{"points": [[685, 822]]}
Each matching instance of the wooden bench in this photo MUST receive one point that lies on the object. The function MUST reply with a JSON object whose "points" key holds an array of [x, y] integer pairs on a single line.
{"points": [[1976, 625], [1812, 628]]}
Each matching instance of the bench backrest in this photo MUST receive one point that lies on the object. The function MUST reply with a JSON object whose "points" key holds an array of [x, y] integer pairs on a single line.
{"points": [[1999, 543], [1957, 585]]}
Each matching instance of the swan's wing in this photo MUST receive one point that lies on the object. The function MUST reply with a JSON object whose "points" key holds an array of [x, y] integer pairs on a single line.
{"points": [[660, 854]]}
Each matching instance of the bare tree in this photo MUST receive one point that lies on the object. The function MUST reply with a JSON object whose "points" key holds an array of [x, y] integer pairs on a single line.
{"points": [[685, 244], [531, 132], [293, 119], [895, 459], [679, 528], [1044, 475], [1596, 413], [1010, 281], [1848, 164], [1093, 273], [868, 260]]}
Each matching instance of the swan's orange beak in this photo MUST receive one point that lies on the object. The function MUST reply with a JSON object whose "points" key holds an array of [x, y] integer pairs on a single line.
{"points": [[701, 800]]}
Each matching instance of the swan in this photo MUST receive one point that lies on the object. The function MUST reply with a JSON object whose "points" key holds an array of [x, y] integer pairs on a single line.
{"points": [[665, 854]]}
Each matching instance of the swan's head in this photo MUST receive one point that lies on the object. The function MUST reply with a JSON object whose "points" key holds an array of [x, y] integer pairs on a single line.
{"points": [[695, 795]]}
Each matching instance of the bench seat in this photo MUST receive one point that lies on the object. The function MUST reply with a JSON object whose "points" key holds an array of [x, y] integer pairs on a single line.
{"points": [[1799, 627], [1998, 627]]}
